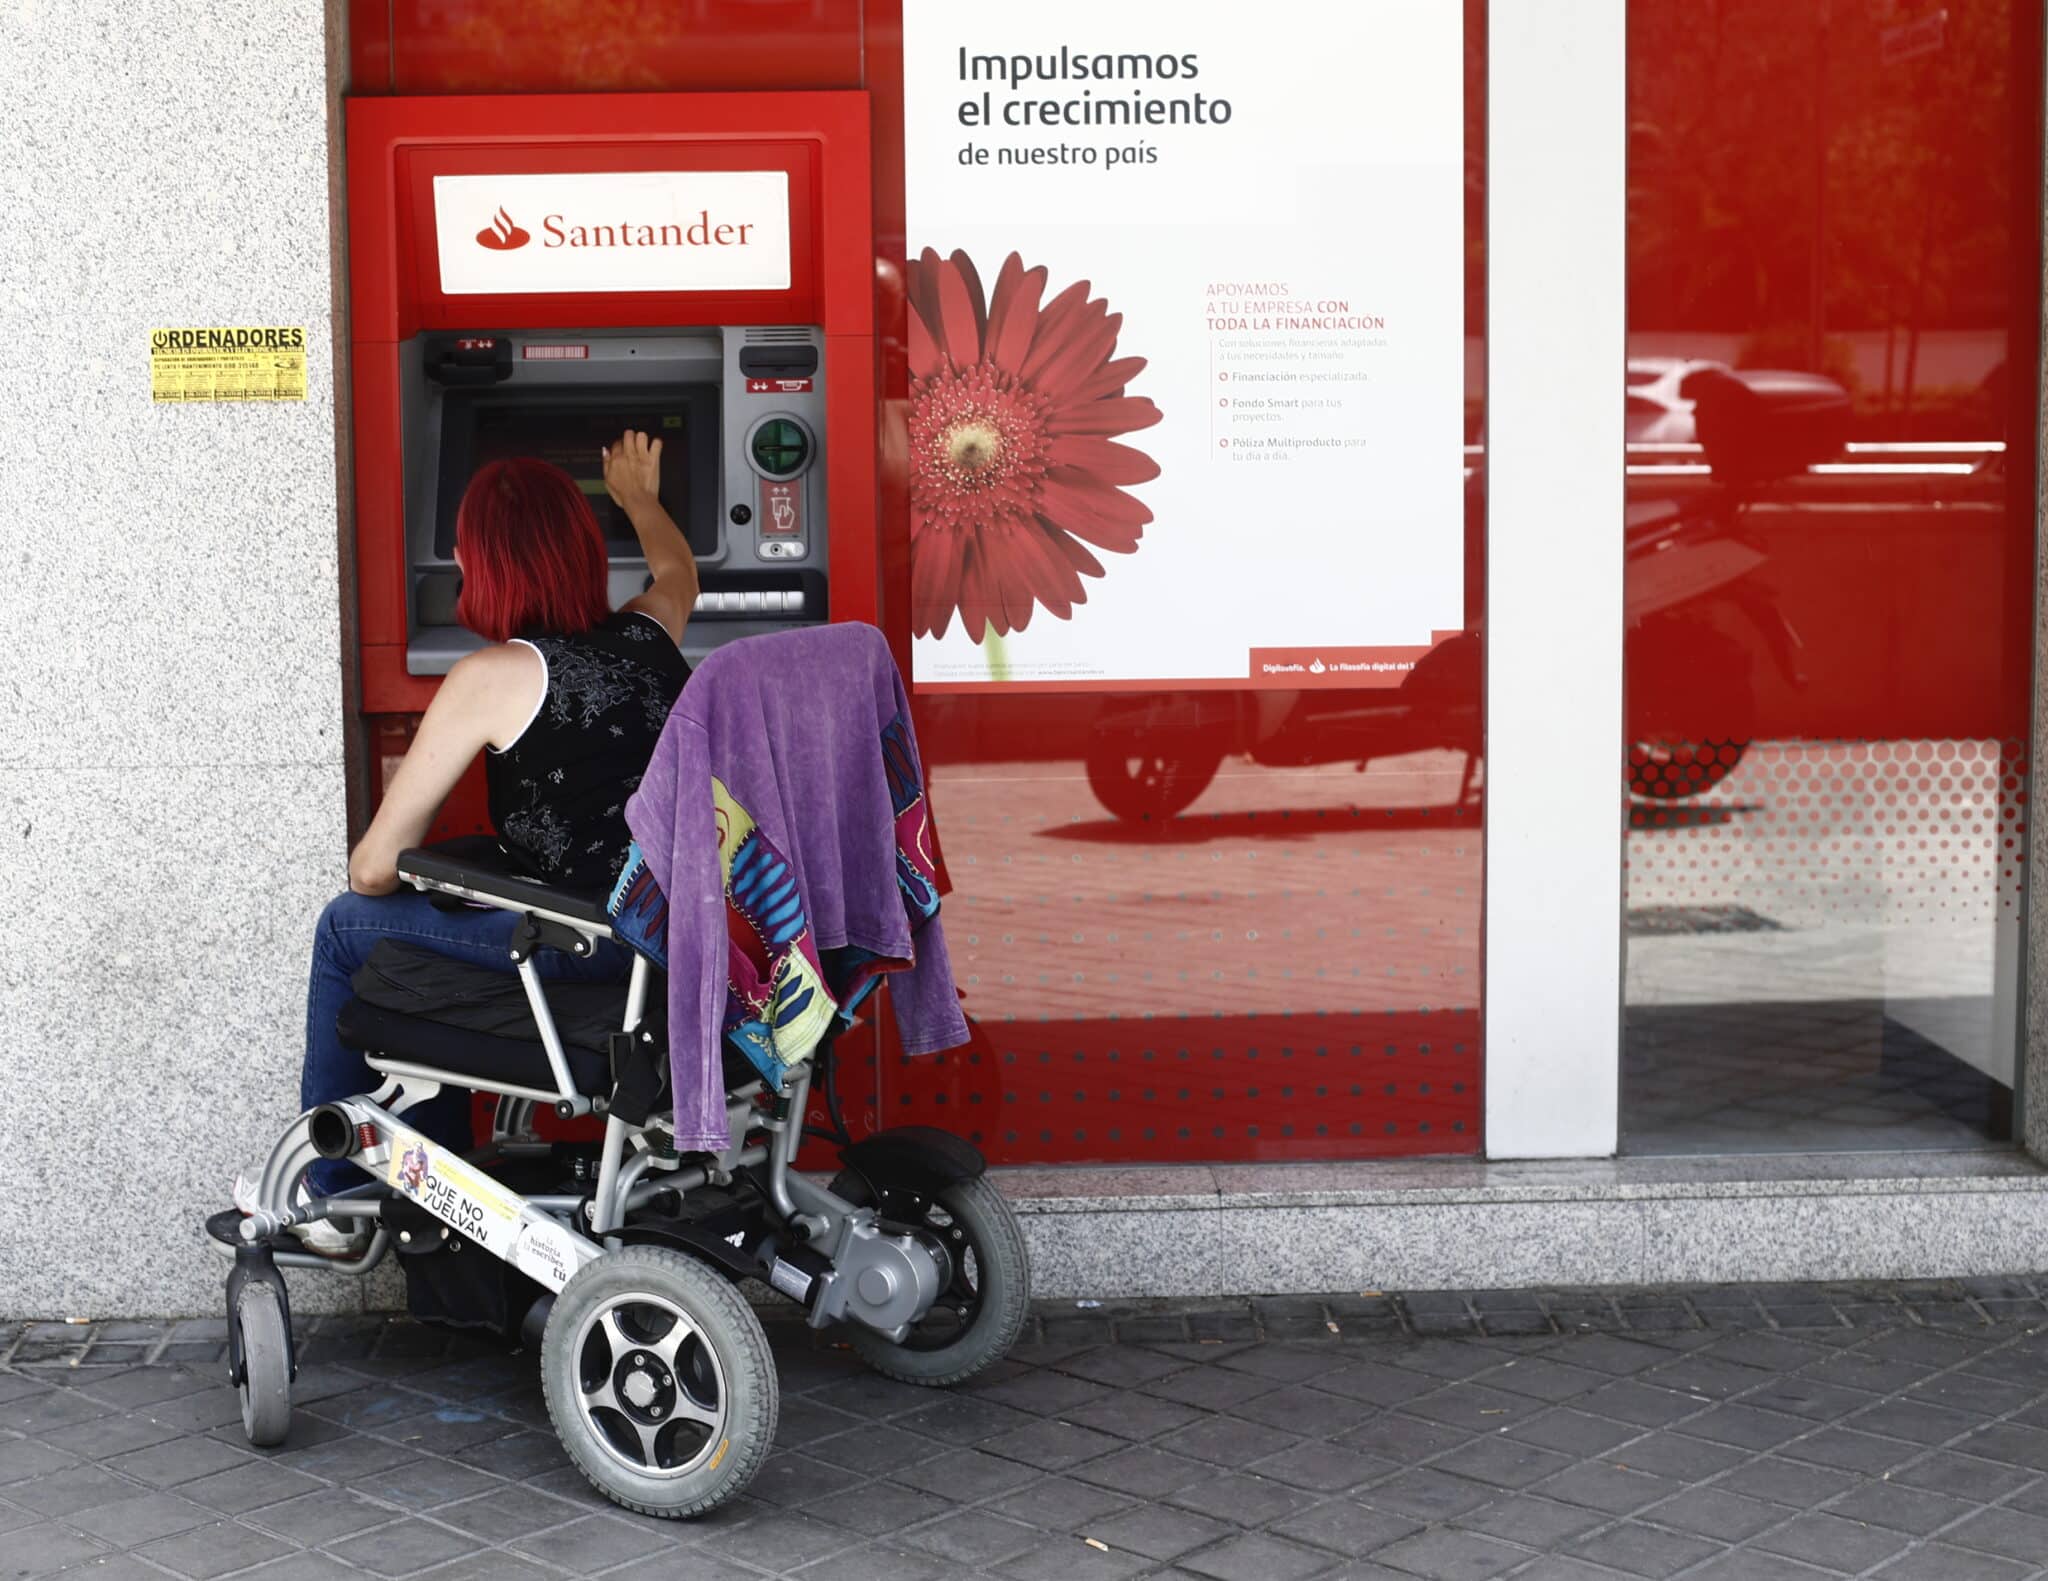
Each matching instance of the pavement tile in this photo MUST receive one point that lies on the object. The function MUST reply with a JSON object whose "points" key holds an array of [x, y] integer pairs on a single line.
{"points": [[23, 1458], [1476, 1407], [967, 1419], [517, 1456], [325, 1567], [46, 1547], [1049, 1445], [1601, 1486], [968, 1475], [1141, 1471], [128, 1523], [1447, 1554], [1427, 1494], [1503, 1462], [2011, 1533], [1754, 1564], [874, 1562], [1300, 1410], [1158, 1532], [1644, 1551], [1041, 1393], [1131, 1416], [1532, 1521], [1121, 1366], [1243, 1497], [1344, 1526], [1548, 1378], [1553, 1567], [1227, 1442], [979, 1538], [876, 1450], [403, 1548], [1255, 1556], [1322, 1468], [1963, 1476], [248, 1486], [1788, 1482], [1059, 1504], [74, 1488], [213, 1550], [423, 1482], [321, 1517], [1713, 1513], [1833, 1541], [1681, 1458], [48, 1408], [1373, 1382], [877, 1507], [786, 1479], [1573, 1432], [1845, 1449], [1744, 1426], [1070, 1559], [2008, 1444], [1944, 1562], [596, 1542], [1405, 1440], [508, 1514], [654, 1567]]}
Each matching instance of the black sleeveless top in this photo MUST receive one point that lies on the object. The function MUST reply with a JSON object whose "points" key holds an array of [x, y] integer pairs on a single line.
{"points": [[558, 792]]}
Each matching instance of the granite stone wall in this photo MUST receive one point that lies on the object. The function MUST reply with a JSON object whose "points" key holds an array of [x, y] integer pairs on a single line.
{"points": [[172, 806]]}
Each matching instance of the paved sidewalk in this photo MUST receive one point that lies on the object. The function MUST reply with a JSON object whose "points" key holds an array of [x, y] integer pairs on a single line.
{"points": [[1718, 1435]]}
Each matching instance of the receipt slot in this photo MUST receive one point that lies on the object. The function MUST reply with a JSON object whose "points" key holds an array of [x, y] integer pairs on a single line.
{"points": [[533, 275]]}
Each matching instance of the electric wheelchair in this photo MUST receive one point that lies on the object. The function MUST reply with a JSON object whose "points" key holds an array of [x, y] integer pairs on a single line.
{"points": [[620, 1258]]}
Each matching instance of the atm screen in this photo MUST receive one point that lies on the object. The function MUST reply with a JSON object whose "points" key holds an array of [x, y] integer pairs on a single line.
{"points": [[570, 429]]}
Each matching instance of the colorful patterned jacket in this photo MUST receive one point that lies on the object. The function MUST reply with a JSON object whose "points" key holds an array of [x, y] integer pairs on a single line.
{"points": [[784, 861]]}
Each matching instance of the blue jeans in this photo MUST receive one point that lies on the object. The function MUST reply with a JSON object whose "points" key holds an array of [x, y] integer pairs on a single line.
{"points": [[349, 926]]}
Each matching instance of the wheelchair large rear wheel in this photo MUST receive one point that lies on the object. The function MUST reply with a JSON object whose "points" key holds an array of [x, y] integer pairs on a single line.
{"points": [[985, 1278], [659, 1381]]}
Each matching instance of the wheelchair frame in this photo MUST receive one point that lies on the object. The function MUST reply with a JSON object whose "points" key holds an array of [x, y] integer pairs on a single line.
{"points": [[809, 1244]]}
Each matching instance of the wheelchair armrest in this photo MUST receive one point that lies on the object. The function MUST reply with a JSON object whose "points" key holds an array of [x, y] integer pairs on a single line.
{"points": [[476, 869]]}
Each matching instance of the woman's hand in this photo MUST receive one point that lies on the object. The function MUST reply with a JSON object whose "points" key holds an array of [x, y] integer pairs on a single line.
{"points": [[632, 471]]}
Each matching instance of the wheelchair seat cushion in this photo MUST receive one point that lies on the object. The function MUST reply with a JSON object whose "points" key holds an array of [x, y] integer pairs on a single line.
{"points": [[486, 1059], [428, 1009]]}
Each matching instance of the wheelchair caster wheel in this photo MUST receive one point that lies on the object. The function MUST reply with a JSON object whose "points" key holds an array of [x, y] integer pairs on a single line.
{"points": [[659, 1381], [260, 1347]]}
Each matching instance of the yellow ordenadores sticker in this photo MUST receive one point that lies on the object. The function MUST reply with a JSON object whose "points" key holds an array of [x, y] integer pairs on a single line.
{"points": [[239, 363]]}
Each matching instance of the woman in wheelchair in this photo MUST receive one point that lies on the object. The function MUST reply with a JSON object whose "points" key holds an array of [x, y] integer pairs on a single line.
{"points": [[566, 704], [621, 1259]]}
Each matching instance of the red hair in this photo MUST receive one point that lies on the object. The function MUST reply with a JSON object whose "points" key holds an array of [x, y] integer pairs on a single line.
{"points": [[532, 556]]}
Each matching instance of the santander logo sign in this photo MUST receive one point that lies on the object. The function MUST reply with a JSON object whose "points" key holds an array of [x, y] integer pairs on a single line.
{"points": [[696, 230], [502, 234]]}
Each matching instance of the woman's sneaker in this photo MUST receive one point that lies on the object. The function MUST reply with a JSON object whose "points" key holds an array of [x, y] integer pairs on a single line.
{"points": [[322, 1237]]}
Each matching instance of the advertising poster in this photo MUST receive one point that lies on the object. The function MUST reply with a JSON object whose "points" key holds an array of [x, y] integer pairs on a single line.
{"points": [[1186, 341]]}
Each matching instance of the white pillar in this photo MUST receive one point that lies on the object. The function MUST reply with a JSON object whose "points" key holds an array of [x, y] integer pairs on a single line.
{"points": [[1556, 327]]}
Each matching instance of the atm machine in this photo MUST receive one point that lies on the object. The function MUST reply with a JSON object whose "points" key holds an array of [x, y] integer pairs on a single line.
{"points": [[739, 411], [532, 275]]}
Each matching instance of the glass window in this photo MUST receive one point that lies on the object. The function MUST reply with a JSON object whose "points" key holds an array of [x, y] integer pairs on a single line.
{"points": [[1221, 925], [1834, 284]]}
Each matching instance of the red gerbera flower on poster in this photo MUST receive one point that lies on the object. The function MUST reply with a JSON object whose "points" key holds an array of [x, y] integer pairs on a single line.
{"points": [[1013, 474]]}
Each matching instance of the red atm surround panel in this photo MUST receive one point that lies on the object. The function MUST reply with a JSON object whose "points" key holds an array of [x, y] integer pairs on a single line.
{"points": [[395, 148]]}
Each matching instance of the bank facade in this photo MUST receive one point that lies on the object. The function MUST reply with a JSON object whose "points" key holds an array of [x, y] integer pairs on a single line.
{"points": [[1471, 607]]}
